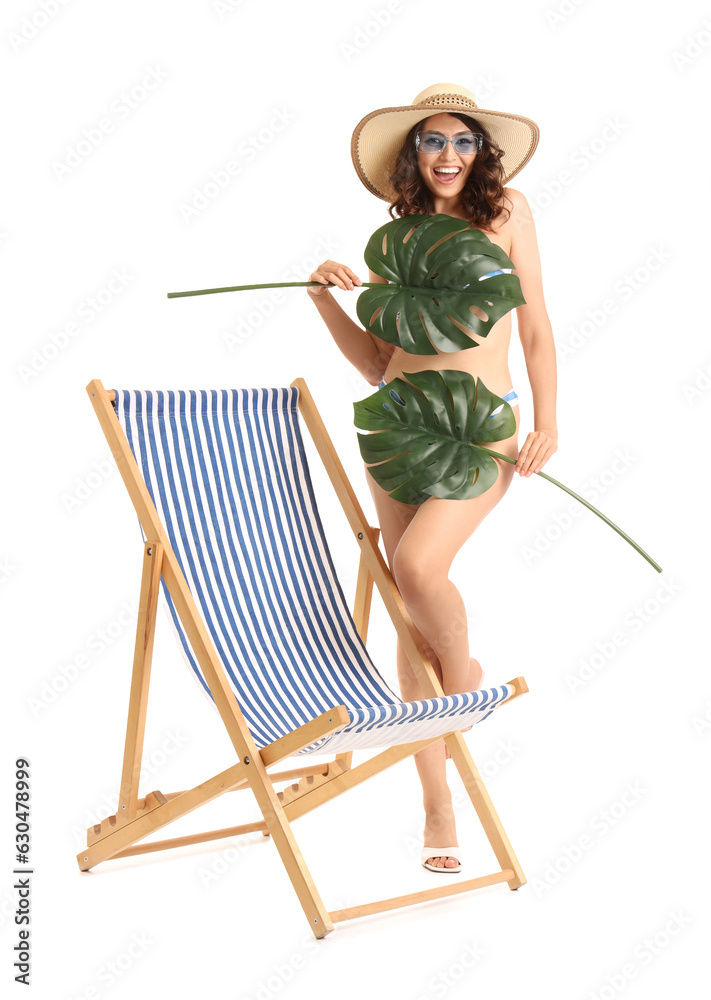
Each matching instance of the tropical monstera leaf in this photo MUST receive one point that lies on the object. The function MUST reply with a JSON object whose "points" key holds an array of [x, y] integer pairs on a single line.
{"points": [[436, 263], [431, 427]]}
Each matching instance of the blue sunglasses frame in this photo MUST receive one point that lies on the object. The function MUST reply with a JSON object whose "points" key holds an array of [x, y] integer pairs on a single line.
{"points": [[477, 135]]}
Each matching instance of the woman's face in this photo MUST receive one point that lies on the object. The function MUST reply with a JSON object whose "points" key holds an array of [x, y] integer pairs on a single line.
{"points": [[445, 173]]}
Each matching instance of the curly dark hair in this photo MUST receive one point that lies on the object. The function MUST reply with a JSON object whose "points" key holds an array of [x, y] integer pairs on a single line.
{"points": [[482, 195]]}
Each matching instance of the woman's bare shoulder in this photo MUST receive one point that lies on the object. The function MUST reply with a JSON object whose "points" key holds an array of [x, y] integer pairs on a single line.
{"points": [[518, 206], [524, 241]]}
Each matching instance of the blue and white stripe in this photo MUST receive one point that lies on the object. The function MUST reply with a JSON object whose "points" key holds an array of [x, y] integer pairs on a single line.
{"points": [[511, 398], [228, 474], [501, 270]]}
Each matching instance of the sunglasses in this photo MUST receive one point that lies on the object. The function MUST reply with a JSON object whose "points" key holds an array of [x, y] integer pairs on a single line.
{"points": [[464, 143]]}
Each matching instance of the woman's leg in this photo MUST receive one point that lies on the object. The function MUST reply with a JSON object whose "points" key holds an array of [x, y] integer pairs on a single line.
{"points": [[421, 543], [421, 566]]}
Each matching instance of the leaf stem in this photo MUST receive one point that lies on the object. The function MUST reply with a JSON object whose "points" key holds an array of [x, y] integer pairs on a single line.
{"points": [[278, 284], [550, 479]]}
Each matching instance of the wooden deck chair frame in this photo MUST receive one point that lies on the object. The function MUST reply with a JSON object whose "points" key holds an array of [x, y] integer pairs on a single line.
{"points": [[136, 818]]}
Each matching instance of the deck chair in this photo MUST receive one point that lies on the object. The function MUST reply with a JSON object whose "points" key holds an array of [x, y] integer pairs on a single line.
{"points": [[224, 497]]}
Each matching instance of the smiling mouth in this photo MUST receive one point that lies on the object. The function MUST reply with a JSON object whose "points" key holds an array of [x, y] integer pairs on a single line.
{"points": [[447, 175]]}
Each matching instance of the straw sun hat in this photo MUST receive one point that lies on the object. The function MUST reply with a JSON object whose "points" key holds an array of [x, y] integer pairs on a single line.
{"points": [[378, 137]]}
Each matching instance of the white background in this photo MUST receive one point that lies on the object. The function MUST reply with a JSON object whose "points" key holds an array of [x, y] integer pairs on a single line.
{"points": [[546, 592]]}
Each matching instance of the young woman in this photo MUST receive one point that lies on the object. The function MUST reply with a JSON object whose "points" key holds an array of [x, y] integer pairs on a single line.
{"points": [[443, 155]]}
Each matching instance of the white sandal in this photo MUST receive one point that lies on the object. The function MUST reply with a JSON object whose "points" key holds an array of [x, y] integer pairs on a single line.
{"points": [[441, 852]]}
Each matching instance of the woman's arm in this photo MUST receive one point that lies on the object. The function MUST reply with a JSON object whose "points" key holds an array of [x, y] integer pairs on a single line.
{"points": [[536, 335], [367, 353]]}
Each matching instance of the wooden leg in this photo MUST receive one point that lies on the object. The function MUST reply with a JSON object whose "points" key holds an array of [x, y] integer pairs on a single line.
{"points": [[280, 829], [361, 617], [485, 809], [140, 680], [364, 594]]}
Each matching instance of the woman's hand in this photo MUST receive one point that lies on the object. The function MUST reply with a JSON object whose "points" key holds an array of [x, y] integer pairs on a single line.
{"points": [[535, 451], [338, 274]]}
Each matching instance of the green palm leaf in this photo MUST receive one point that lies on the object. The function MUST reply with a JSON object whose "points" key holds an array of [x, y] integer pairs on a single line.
{"points": [[436, 263], [431, 425], [432, 429]]}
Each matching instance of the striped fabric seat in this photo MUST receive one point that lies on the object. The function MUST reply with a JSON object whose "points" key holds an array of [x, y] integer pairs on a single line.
{"points": [[227, 472]]}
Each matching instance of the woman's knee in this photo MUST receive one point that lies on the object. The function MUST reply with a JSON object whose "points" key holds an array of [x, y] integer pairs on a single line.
{"points": [[417, 575]]}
